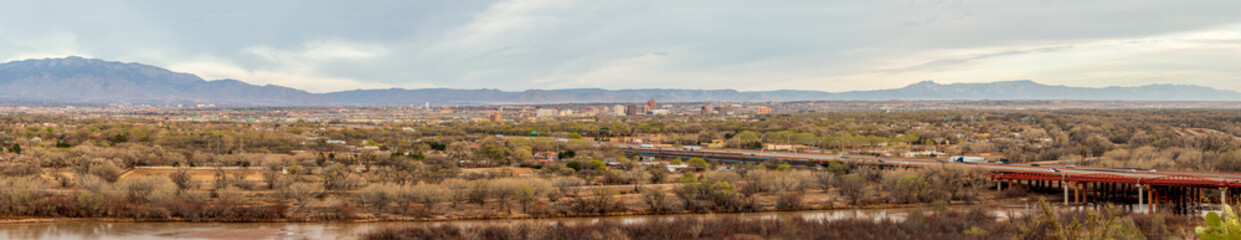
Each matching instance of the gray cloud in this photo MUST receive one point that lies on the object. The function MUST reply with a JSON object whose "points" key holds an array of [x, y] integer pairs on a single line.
{"points": [[944, 63], [522, 44]]}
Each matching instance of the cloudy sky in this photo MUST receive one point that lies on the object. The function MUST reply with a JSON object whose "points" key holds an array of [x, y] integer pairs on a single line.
{"points": [[323, 46]]}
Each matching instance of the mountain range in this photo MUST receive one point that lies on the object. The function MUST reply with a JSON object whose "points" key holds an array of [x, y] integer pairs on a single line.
{"points": [[83, 80]]}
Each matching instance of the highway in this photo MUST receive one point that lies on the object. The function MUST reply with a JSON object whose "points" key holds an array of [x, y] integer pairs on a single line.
{"points": [[1043, 172]]}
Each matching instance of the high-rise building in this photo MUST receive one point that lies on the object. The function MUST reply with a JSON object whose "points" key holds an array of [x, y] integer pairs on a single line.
{"points": [[651, 105], [497, 117], [632, 110], [618, 110]]}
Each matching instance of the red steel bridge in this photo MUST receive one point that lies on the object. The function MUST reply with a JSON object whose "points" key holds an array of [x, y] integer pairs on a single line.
{"points": [[1152, 190]]}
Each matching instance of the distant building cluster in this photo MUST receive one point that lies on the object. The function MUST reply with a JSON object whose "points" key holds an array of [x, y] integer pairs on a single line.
{"points": [[412, 113]]}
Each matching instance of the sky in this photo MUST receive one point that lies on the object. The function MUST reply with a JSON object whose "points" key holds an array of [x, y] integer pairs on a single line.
{"points": [[325, 46]]}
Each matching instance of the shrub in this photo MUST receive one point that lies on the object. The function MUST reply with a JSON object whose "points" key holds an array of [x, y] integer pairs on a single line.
{"points": [[182, 178], [146, 188], [239, 180], [530, 190], [18, 195], [854, 187], [722, 176], [340, 177], [93, 183], [427, 194], [229, 195], [698, 164], [89, 204], [21, 169], [300, 193], [274, 179], [655, 199], [479, 191], [107, 171], [196, 197], [378, 196], [458, 190], [568, 184]]}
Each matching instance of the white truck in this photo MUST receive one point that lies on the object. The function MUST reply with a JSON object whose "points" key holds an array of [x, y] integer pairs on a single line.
{"points": [[968, 159]]}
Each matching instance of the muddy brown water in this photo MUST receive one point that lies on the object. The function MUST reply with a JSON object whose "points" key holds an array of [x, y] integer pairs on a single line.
{"points": [[144, 231]]}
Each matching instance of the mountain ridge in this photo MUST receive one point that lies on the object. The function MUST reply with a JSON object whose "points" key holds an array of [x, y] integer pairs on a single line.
{"points": [[86, 80]]}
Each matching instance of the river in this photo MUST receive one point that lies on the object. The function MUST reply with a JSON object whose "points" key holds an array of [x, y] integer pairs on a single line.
{"points": [[144, 231]]}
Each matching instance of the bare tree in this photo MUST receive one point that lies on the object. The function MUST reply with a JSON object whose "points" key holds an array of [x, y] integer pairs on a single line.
{"points": [[458, 190], [854, 187], [182, 178], [299, 193]]}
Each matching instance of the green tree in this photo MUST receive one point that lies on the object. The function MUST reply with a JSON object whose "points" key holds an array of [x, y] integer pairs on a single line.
{"points": [[567, 154], [597, 165], [698, 163], [688, 177], [16, 149]]}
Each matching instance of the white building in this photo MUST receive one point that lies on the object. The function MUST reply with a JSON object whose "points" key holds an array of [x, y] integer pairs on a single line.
{"points": [[546, 112]]}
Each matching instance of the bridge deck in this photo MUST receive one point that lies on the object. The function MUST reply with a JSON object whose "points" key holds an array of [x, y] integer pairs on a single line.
{"points": [[997, 171]]}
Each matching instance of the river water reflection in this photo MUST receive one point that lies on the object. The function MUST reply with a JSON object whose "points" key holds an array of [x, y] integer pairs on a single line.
{"points": [[143, 231]]}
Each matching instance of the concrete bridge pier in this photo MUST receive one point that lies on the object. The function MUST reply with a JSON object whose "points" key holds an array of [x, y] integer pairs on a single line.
{"points": [[1140, 192], [1223, 197], [1066, 192]]}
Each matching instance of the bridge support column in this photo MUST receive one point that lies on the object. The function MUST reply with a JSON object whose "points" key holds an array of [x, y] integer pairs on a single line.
{"points": [[1066, 192], [1077, 193], [1140, 192], [1223, 197], [1154, 198]]}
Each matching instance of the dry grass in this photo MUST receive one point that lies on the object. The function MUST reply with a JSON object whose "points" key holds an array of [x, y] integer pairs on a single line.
{"points": [[204, 177]]}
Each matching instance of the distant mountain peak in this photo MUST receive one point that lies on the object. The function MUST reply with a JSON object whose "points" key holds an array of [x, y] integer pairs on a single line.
{"points": [[76, 79]]}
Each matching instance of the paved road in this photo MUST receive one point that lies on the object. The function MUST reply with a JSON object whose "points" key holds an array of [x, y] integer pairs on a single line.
{"points": [[1043, 168]]}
